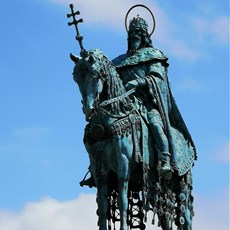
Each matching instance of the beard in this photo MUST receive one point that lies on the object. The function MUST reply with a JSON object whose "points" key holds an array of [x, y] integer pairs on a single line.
{"points": [[135, 44]]}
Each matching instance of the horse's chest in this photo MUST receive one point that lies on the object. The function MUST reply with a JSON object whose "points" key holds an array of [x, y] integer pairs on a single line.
{"points": [[102, 131]]}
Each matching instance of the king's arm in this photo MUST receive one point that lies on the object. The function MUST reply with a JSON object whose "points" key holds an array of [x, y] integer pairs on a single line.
{"points": [[155, 69]]}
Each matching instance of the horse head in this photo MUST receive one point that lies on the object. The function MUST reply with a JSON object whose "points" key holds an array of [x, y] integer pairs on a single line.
{"points": [[89, 74]]}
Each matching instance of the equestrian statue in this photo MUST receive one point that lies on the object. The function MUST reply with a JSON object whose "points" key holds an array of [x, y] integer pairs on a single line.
{"points": [[140, 150]]}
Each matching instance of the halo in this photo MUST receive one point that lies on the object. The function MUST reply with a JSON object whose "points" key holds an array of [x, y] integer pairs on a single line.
{"points": [[140, 5]]}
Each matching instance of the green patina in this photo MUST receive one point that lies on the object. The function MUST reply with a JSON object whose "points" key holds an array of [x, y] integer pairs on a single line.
{"points": [[141, 152]]}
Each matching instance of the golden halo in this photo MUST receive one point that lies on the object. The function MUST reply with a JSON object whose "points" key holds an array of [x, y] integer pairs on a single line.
{"points": [[140, 5]]}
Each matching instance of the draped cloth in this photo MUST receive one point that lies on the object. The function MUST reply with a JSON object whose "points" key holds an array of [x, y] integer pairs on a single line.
{"points": [[151, 64]]}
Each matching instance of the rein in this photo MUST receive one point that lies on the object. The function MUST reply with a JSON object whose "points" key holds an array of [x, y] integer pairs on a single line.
{"points": [[107, 102]]}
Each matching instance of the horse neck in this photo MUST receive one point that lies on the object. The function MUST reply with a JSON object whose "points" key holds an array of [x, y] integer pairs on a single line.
{"points": [[115, 85], [115, 88]]}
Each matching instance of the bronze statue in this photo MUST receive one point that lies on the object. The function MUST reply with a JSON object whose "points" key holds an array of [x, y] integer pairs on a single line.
{"points": [[141, 152]]}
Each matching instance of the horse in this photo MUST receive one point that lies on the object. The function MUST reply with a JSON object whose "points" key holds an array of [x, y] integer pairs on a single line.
{"points": [[121, 150]]}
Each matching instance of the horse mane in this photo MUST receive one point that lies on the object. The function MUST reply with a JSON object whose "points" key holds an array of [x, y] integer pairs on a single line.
{"points": [[115, 88], [113, 84]]}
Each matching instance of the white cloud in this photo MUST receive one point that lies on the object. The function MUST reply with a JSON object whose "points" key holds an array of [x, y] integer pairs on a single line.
{"points": [[105, 12], [80, 213], [222, 154], [50, 214], [220, 29], [180, 48], [190, 85], [212, 212], [182, 40], [111, 13], [214, 30]]}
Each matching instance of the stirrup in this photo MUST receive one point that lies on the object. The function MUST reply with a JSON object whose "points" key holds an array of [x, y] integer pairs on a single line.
{"points": [[87, 182]]}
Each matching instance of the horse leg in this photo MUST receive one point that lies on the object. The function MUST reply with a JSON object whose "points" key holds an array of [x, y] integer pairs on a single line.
{"points": [[102, 201], [123, 203], [165, 223], [123, 182]]}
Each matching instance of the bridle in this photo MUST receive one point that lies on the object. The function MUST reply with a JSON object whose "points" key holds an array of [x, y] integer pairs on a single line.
{"points": [[114, 99], [97, 106]]}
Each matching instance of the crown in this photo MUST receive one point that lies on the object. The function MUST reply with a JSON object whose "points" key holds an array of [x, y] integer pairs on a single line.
{"points": [[138, 22]]}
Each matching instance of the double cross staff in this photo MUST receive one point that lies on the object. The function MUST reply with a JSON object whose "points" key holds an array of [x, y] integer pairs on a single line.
{"points": [[75, 22]]}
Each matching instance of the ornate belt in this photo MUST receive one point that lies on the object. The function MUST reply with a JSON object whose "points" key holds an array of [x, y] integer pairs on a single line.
{"points": [[98, 132]]}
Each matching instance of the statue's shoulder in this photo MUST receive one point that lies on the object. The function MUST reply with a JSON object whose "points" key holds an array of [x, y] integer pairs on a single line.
{"points": [[142, 55]]}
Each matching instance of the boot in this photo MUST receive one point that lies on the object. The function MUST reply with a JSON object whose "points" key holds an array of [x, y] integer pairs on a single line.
{"points": [[166, 169]]}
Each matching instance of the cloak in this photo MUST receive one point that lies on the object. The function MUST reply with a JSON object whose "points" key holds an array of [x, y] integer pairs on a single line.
{"points": [[151, 64]]}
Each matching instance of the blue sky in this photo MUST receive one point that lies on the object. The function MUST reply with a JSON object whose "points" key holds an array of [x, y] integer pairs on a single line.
{"points": [[42, 156]]}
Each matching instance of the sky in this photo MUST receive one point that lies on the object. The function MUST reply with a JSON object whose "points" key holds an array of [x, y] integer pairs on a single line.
{"points": [[42, 156]]}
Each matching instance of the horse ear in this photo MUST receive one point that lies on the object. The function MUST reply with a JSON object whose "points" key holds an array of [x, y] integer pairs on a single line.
{"points": [[91, 59], [74, 58]]}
